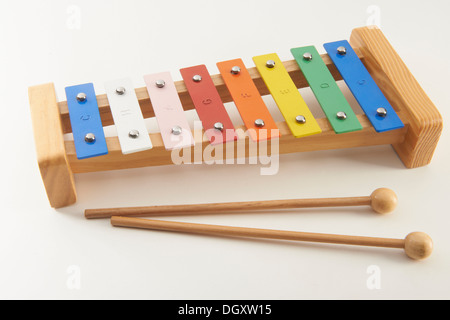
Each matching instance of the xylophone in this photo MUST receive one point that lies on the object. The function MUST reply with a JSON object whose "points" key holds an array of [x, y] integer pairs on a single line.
{"points": [[397, 112]]}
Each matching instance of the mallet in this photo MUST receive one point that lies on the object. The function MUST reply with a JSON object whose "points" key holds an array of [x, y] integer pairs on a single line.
{"points": [[417, 245], [382, 201]]}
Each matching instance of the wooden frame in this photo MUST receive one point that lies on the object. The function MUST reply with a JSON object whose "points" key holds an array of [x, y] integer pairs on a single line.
{"points": [[415, 143]]}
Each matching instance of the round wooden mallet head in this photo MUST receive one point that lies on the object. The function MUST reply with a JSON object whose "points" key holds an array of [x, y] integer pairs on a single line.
{"points": [[383, 200], [418, 245]]}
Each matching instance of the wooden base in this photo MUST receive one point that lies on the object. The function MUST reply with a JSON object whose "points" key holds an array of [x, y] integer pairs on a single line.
{"points": [[415, 143]]}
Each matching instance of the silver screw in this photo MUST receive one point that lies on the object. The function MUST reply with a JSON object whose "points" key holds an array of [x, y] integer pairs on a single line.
{"points": [[197, 78], [259, 123], [218, 126], [235, 70], [300, 119], [341, 115], [89, 138], [133, 134], [120, 91], [382, 112], [160, 83], [177, 130], [81, 97], [307, 56], [270, 64], [342, 50]]}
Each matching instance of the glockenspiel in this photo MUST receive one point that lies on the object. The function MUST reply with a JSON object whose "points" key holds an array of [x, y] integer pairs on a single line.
{"points": [[397, 111]]}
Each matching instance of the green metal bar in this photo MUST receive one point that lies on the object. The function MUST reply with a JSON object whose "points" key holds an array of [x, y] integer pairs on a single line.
{"points": [[330, 97]]}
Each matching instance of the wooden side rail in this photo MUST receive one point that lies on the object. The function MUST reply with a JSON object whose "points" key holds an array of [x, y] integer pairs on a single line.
{"points": [[158, 155]]}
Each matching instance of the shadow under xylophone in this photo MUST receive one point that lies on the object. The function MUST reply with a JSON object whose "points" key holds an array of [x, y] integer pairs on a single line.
{"points": [[397, 112]]}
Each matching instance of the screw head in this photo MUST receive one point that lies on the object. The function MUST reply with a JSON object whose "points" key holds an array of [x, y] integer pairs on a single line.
{"points": [[218, 126], [197, 78], [300, 119], [342, 50], [133, 134], [235, 70], [177, 130], [160, 83], [270, 64], [81, 97], [89, 138], [120, 91], [259, 123], [382, 112], [307, 56], [341, 115]]}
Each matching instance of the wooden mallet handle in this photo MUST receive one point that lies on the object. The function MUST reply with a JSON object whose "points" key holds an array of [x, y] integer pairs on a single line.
{"points": [[417, 245], [382, 201]]}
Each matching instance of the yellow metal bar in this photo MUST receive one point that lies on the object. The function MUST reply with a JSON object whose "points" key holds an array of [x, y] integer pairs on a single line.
{"points": [[286, 95]]}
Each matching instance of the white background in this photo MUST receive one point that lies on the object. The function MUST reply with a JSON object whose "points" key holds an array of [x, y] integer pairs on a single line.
{"points": [[73, 42]]}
